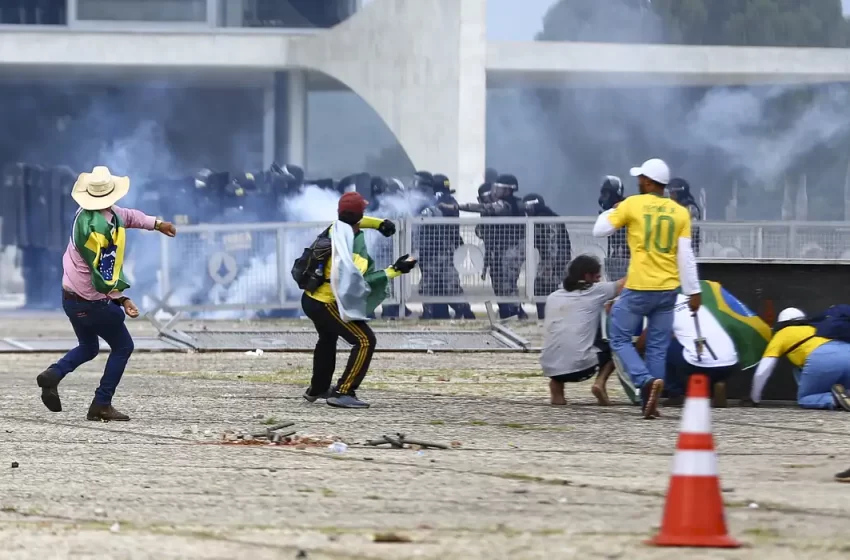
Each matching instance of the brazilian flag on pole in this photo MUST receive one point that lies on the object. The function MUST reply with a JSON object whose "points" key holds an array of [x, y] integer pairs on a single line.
{"points": [[746, 329]]}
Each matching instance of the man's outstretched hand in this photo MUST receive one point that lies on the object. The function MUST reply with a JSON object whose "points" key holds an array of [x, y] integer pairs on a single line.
{"points": [[166, 228], [695, 302], [387, 228]]}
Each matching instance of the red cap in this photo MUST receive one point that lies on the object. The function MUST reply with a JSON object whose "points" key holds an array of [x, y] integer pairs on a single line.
{"points": [[352, 202]]}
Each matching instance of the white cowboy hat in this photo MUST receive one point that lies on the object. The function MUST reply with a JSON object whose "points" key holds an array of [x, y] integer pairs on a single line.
{"points": [[99, 189]]}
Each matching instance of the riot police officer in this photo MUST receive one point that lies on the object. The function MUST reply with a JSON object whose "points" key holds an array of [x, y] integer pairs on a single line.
{"points": [[552, 242], [680, 191], [437, 246], [506, 242], [617, 262]]}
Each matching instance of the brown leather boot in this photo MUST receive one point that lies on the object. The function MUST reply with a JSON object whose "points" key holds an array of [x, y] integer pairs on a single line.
{"points": [[105, 413]]}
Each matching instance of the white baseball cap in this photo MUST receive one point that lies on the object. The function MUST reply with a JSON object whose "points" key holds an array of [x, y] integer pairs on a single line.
{"points": [[655, 169]]}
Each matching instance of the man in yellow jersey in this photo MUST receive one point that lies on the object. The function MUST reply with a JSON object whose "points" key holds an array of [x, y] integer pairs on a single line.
{"points": [[662, 262], [323, 308], [824, 364]]}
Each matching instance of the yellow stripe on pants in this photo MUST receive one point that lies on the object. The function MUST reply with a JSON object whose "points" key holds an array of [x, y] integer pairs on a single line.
{"points": [[361, 354]]}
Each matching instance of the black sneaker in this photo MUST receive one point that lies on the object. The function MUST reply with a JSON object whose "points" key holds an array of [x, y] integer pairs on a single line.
{"points": [[843, 476], [349, 400], [313, 398], [49, 380], [649, 394], [839, 395]]}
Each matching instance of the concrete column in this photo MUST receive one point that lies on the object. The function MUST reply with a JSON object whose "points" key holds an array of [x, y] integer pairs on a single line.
{"points": [[296, 117], [431, 93], [269, 124]]}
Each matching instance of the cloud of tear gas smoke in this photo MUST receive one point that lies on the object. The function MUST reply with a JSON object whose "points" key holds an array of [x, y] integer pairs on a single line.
{"points": [[736, 123], [562, 141], [315, 208]]}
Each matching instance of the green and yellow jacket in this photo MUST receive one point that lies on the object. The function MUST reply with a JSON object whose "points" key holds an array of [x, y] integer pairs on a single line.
{"points": [[378, 280]]}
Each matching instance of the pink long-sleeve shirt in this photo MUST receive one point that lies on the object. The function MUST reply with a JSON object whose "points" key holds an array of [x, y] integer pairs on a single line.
{"points": [[76, 277]]}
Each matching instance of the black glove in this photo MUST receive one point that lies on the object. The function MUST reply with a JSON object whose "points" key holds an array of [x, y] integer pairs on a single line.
{"points": [[405, 264], [387, 228]]}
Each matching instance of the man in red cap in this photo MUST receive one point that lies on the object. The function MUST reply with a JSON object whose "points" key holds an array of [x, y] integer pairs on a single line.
{"points": [[332, 319]]}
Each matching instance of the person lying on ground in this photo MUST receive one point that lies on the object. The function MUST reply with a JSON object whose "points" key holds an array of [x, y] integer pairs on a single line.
{"points": [[571, 348]]}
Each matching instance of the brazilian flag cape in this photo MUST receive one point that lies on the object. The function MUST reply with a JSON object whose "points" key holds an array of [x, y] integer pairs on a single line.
{"points": [[377, 280], [748, 332], [101, 244]]}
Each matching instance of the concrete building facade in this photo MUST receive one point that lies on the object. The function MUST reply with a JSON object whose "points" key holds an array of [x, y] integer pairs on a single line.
{"points": [[424, 66]]}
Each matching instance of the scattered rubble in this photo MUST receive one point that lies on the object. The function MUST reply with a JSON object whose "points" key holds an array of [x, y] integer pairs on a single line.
{"points": [[281, 434], [400, 441]]}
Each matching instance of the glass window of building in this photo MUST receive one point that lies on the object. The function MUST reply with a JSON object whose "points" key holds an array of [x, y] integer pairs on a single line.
{"points": [[33, 12], [296, 14], [186, 11]]}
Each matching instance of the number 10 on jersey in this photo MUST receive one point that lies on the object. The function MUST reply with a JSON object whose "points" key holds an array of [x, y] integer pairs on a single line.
{"points": [[658, 233]]}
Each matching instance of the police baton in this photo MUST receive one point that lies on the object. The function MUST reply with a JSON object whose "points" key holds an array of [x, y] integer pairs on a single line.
{"points": [[700, 340]]}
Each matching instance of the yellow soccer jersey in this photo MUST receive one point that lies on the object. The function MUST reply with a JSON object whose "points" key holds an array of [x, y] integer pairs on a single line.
{"points": [[655, 225]]}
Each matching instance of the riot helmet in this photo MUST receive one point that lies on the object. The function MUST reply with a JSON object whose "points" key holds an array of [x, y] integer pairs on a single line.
{"points": [[442, 184], [679, 190], [347, 184], [611, 192], [505, 187], [395, 187], [202, 178], [485, 193], [533, 203], [379, 187], [490, 175], [294, 171]]}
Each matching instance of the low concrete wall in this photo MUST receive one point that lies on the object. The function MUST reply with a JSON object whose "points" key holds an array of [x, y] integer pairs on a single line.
{"points": [[767, 288]]}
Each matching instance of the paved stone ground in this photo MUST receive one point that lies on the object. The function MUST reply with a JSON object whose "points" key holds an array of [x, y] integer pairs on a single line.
{"points": [[529, 482]]}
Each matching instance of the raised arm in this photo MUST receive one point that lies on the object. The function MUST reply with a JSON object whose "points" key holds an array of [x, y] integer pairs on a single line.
{"points": [[135, 219], [611, 220]]}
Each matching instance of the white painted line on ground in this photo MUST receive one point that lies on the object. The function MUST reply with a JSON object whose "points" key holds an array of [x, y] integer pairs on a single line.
{"points": [[16, 344]]}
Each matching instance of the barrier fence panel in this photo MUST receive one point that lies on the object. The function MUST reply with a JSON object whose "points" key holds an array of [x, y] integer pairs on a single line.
{"points": [[221, 270], [463, 260], [224, 270]]}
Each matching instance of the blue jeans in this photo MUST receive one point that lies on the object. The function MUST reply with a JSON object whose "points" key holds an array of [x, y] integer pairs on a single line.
{"points": [[825, 367], [93, 319], [626, 320]]}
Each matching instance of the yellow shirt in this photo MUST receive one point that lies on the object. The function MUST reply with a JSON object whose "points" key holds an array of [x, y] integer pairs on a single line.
{"points": [[324, 293], [655, 224], [788, 337]]}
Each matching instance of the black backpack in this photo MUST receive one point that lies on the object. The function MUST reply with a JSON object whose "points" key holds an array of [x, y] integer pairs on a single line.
{"points": [[308, 270]]}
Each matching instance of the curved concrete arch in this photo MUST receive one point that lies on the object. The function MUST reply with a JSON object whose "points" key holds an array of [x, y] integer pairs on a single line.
{"points": [[421, 67]]}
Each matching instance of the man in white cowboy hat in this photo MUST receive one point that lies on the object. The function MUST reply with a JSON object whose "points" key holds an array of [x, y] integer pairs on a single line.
{"points": [[92, 287]]}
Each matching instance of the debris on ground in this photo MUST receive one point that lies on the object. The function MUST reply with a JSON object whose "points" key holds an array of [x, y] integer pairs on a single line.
{"points": [[279, 434], [14, 464], [401, 441], [257, 352], [391, 538]]}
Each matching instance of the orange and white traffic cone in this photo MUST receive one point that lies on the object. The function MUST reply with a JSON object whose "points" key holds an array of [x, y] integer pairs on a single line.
{"points": [[693, 514]]}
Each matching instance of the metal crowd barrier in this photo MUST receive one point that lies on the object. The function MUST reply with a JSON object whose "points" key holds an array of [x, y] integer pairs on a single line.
{"points": [[223, 269]]}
